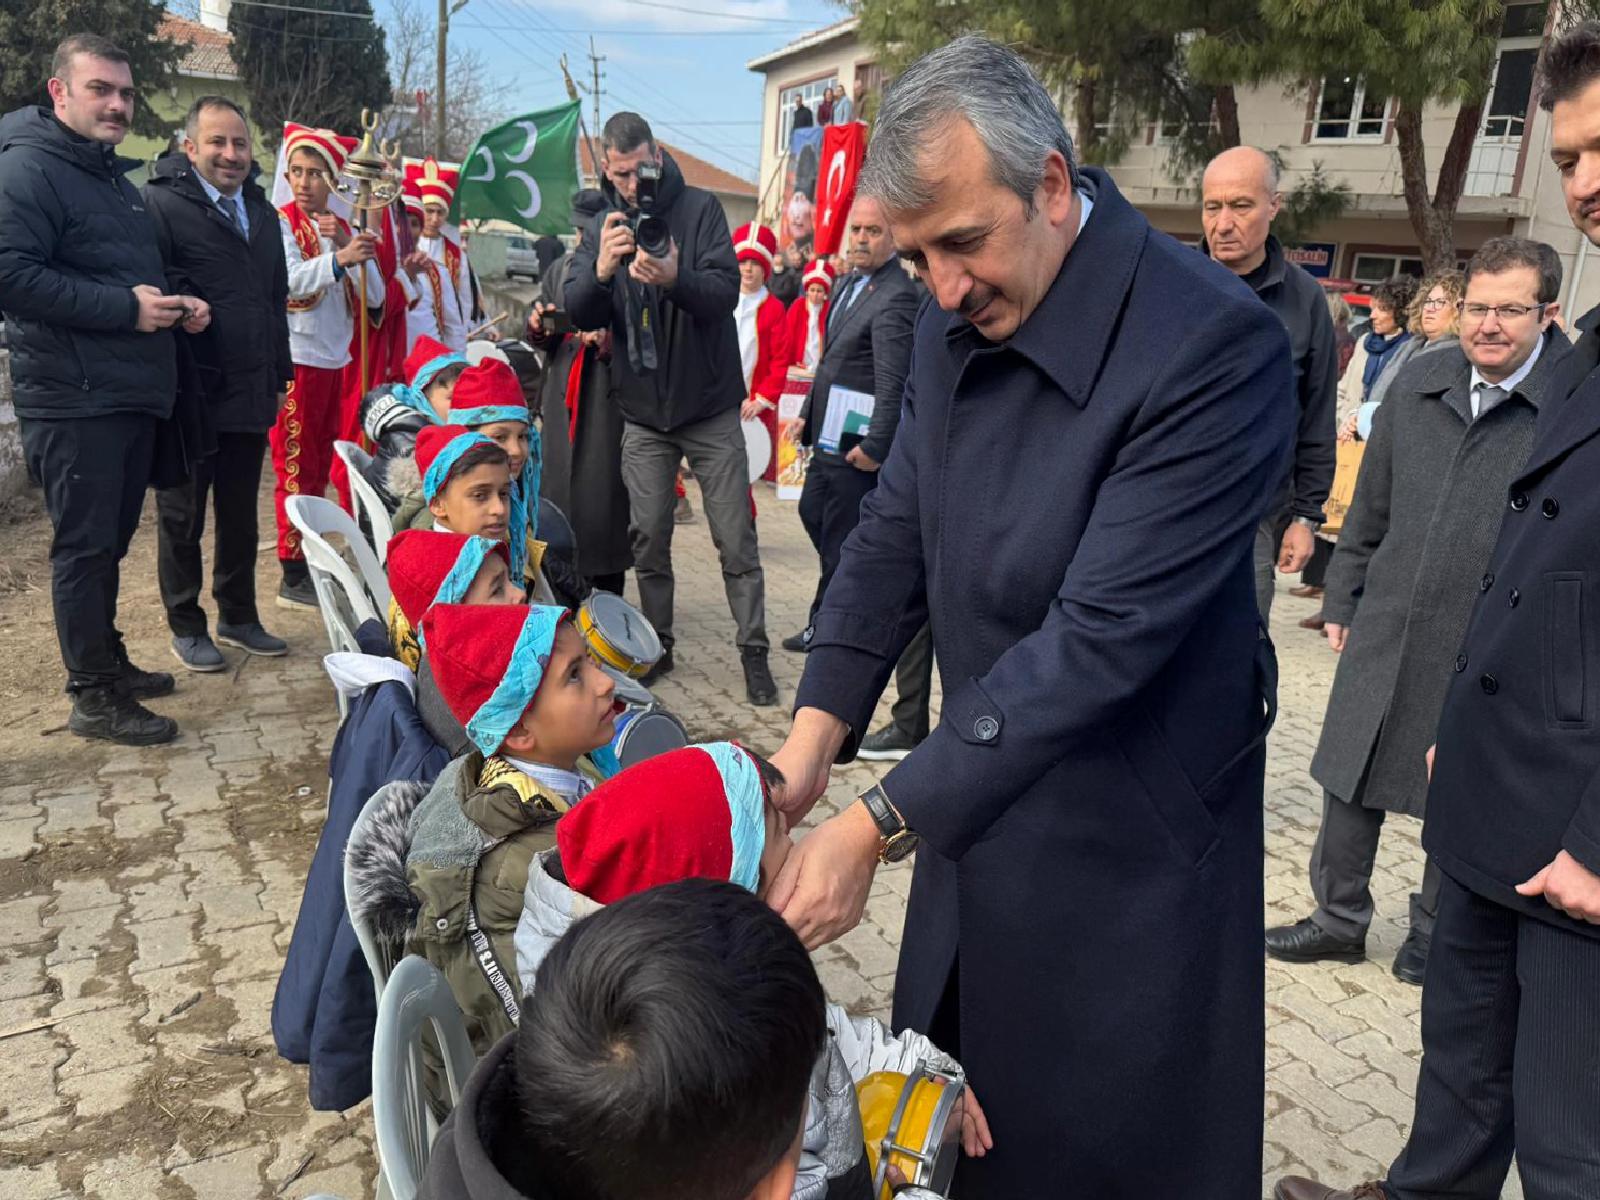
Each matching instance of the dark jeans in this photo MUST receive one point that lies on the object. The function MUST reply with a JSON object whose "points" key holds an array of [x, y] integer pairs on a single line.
{"points": [[1510, 1058], [830, 507], [1341, 872], [94, 473], [232, 478]]}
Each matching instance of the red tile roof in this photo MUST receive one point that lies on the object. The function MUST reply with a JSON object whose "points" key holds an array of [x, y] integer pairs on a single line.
{"points": [[206, 52], [697, 172]]}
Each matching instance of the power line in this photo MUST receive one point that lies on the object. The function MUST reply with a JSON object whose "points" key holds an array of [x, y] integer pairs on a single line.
{"points": [[725, 16], [316, 12], [631, 33]]}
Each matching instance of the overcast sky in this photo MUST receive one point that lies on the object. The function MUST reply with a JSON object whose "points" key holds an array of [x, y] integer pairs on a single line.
{"points": [[684, 70]]}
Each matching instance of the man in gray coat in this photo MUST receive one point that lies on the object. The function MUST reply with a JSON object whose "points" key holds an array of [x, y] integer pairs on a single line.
{"points": [[1456, 428]]}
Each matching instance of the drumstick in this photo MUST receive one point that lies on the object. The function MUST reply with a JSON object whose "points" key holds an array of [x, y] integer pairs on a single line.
{"points": [[489, 324]]}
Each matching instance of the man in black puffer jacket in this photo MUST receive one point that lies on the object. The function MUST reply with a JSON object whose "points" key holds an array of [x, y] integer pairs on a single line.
{"points": [[680, 382], [219, 239], [92, 362]]}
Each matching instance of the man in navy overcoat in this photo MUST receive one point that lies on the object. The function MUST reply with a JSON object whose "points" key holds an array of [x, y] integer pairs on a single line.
{"points": [[1093, 425]]}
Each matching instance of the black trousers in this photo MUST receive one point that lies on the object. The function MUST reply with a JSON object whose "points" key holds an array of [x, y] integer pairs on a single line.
{"points": [[232, 478], [1510, 1058], [913, 682], [94, 472], [830, 507], [1341, 871]]}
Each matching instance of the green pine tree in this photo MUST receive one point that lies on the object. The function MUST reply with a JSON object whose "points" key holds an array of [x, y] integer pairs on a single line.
{"points": [[29, 34], [317, 69]]}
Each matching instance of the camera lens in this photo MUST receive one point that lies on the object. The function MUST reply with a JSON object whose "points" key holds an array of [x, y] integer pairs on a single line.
{"points": [[652, 236]]}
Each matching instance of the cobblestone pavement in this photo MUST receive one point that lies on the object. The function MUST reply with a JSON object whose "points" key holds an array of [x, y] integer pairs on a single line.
{"points": [[147, 897]]}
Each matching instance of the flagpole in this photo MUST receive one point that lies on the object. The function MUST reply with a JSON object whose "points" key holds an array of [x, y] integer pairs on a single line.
{"points": [[572, 94]]}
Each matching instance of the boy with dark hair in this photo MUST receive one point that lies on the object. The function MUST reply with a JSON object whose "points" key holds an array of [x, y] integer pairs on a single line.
{"points": [[664, 1055], [714, 812], [466, 485]]}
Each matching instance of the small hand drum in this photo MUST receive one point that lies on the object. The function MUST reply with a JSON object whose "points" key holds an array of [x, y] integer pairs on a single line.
{"points": [[644, 733], [757, 447], [618, 634], [914, 1123]]}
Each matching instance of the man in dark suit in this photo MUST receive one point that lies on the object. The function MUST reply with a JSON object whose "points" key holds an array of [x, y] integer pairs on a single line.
{"points": [[866, 349], [1510, 1043], [219, 239], [1071, 498]]}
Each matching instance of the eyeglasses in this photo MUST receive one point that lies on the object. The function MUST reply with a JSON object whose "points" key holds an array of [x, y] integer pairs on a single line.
{"points": [[1506, 312], [1432, 303]]}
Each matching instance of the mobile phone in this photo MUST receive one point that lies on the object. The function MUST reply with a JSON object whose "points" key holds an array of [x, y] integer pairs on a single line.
{"points": [[556, 321]]}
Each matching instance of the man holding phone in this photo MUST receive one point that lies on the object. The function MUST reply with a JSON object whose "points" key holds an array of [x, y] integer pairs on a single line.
{"points": [[92, 360], [658, 270]]}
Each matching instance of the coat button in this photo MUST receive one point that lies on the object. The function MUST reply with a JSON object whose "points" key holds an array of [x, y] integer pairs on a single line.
{"points": [[1519, 501], [1486, 582], [441, 924], [1489, 684], [1550, 508], [1461, 662], [1514, 599], [986, 729]]}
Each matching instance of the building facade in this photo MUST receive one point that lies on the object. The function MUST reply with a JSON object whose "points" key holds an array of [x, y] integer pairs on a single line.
{"points": [[1511, 185]]}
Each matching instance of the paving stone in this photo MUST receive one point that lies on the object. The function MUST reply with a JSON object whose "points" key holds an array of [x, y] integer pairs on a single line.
{"points": [[84, 931], [138, 818], [73, 810], [21, 975], [31, 1062], [160, 897], [125, 1177], [21, 923], [19, 838], [101, 1041], [229, 907], [29, 1183], [232, 1176], [101, 1093], [164, 943]]}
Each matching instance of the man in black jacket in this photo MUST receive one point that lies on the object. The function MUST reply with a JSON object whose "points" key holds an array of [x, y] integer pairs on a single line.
{"points": [[92, 362], [866, 352], [680, 382], [219, 239], [1240, 198]]}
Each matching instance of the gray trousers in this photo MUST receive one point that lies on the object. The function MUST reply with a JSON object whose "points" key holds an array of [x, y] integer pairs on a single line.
{"points": [[1269, 537], [1341, 872], [715, 450]]}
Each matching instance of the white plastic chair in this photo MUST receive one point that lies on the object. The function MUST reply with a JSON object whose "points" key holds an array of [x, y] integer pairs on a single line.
{"points": [[344, 599], [368, 503], [416, 995]]}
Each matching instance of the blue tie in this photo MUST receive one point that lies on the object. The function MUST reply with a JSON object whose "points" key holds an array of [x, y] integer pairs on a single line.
{"points": [[230, 210]]}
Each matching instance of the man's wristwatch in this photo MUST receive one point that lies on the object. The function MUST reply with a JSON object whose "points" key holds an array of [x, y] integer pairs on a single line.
{"points": [[897, 842], [1309, 523]]}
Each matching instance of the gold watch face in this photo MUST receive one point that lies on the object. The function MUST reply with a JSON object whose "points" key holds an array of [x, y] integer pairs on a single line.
{"points": [[898, 847]]}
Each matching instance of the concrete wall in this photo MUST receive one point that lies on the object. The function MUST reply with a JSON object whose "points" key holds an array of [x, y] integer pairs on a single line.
{"points": [[839, 58], [13, 476]]}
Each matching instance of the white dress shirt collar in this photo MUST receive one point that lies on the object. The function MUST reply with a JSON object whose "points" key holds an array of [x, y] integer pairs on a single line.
{"points": [[1509, 383]]}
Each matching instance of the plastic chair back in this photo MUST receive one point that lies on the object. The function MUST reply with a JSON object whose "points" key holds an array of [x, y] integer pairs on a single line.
{"points": [[367, 501], [416, 996]]}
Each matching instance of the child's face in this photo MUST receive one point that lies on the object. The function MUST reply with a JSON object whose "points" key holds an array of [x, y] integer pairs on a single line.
{"points": [[493, 585], [775, 850], [573, 712], [816, 293], [477, 501], [512, 437], [438, 393]]}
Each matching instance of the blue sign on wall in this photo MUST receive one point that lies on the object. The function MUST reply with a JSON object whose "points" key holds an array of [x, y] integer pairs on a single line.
{"points": [[1316, 258]]}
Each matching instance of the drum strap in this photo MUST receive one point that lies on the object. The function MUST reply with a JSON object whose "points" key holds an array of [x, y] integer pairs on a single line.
{"points": [[489, 964]]}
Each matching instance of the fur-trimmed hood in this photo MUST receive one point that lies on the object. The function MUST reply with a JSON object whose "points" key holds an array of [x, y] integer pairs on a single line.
{"points": [[375, 861]]}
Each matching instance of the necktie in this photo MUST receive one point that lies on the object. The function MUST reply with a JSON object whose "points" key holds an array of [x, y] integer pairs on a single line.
{"points": [[229, 210], [846, 300], [1489, 395]]}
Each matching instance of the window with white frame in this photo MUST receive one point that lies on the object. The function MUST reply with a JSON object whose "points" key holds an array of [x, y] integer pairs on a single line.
{"points": [[1375, 268], [811, 93], [1345, 110]]}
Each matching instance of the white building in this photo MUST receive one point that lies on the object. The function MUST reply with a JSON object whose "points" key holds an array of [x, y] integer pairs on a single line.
{"points": [[1511, 185]]}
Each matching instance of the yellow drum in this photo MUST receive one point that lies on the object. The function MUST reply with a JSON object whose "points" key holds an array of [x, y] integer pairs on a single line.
{"points": [[912, 1122], [618, 634]]}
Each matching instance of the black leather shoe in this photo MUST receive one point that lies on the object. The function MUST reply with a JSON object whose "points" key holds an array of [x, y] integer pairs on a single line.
{"points": [[108, 714], [1297, 1187], [1411, 962], [144, 685], [297, 595], [887, 745], [664, 666], [797, 643], [759, 685], [1306, 941]]}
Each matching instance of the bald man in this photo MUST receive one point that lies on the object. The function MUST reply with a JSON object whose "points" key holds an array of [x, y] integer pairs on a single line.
{"points": [[1239, 199]]}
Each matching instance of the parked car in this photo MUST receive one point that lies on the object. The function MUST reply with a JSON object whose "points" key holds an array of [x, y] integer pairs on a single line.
{"points": [[520, 259]]}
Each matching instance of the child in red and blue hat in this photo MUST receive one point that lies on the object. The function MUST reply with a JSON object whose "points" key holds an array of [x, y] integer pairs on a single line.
{"points": [[488, 399], [465, 488], [540, 714], [711, 812], [392, 414]]}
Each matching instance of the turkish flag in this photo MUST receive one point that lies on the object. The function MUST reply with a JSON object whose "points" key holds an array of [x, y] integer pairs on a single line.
{"points": [[843, 149]]}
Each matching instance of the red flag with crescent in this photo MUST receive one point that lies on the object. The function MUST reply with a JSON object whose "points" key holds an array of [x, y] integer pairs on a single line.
{"points": [[843, 149]]}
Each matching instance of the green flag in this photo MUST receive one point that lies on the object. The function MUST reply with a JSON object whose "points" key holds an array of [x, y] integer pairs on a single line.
{"points": [[524, 171]]}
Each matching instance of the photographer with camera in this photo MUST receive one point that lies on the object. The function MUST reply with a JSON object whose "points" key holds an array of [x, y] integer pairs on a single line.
{"points": [[657, 268]]}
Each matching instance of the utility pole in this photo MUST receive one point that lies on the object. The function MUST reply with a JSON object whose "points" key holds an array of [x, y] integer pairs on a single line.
{"points": [[441, 48], [594, 62]]}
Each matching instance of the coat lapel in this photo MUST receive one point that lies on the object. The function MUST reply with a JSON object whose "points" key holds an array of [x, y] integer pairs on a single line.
{"points": [[869, 290], [1569, 398]]}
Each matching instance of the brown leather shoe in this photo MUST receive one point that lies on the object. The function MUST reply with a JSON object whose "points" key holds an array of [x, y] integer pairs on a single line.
{"points": [[1306, 592], [1296, 1187], [1314, 621]]}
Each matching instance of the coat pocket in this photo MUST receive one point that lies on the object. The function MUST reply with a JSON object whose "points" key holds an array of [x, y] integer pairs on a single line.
{"points": [[1565, 651], [1167, 786]]}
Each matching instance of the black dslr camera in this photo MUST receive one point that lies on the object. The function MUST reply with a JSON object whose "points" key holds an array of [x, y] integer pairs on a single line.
{"points": [[650, 232]]}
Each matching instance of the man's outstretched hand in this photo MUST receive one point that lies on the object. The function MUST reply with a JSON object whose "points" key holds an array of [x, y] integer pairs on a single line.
{"points": [[822, 889]]}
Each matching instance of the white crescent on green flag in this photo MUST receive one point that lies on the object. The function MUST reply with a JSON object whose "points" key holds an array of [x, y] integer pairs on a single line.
{"points": [[524, 171]]}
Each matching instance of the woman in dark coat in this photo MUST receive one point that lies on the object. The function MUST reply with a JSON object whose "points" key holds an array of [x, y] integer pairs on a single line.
{"points": [[581, 425]]}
